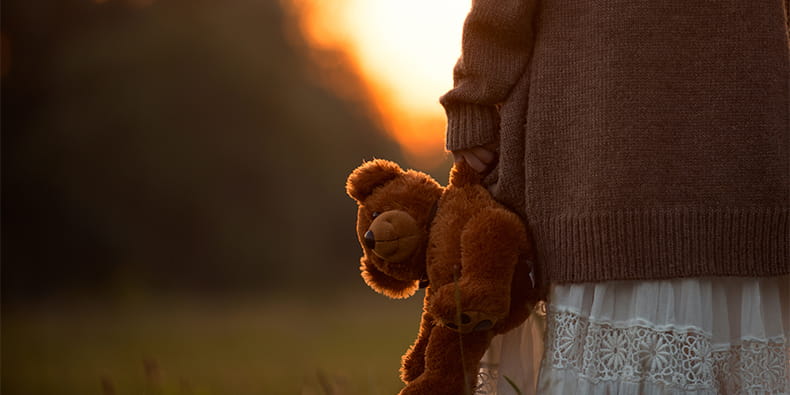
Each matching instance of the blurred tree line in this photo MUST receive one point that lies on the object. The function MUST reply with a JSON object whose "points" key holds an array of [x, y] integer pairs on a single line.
{"points": [[172, 145]]}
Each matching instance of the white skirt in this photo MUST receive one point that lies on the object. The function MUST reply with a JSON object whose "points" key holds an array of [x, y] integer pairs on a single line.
{"points": [[689, 336]]}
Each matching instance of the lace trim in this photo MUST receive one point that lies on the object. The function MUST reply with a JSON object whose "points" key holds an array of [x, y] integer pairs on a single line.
{"points": [[487, 378], [602, 352]]}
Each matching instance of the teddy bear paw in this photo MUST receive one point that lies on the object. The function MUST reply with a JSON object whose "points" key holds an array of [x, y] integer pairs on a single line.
{"points": [[472, 321]]}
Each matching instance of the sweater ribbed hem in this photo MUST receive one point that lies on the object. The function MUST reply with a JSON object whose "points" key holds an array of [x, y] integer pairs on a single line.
{"points": [[470, 125], [660, 244]]}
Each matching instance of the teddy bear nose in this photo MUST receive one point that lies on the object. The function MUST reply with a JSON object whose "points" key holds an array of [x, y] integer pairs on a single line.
{"points": [[370, 239]]}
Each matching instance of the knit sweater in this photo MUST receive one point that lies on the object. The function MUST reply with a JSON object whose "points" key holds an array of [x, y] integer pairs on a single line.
{"points": [[640, 139]]}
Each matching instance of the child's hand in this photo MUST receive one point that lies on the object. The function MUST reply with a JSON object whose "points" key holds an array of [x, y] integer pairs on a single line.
{"points": [[480, 158]]}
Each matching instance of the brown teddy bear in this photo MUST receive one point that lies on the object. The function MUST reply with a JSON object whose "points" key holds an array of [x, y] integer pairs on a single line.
{"points": [[470, 252]]}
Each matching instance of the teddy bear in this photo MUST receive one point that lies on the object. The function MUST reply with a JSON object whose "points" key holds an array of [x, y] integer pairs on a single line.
{"points": [[471, 254]]}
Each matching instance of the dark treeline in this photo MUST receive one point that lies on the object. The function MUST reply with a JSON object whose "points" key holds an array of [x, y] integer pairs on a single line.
{"points": [[182, 145]]}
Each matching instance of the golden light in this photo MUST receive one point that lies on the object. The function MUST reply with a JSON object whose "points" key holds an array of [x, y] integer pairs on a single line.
{"points": [[404, 52]]}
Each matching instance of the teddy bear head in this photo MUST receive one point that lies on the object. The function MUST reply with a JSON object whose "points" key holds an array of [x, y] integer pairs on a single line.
{"points": [[395, 210]]}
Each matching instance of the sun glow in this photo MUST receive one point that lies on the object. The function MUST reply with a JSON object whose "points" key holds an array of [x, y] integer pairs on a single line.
{"points": [[404, 52]]}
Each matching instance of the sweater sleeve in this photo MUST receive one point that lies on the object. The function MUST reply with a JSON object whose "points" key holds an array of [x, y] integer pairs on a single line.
{"points": [[496, 45]]}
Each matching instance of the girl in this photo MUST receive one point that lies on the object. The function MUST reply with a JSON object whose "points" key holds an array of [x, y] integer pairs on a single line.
{"points": [[647, 145]]}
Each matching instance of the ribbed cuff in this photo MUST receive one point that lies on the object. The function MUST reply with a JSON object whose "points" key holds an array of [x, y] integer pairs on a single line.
{"points": [[660, 244], [470, 125]]}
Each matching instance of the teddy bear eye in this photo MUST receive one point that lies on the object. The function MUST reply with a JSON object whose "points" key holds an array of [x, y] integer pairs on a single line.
{"points": [[375, 214]]}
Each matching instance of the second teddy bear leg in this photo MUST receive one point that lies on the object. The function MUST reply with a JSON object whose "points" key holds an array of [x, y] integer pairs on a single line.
{"points": [[451, 363], [492, 243]]}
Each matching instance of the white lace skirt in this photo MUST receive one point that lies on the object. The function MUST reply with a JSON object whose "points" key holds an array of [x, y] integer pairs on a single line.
{"points": [[688, 336]]}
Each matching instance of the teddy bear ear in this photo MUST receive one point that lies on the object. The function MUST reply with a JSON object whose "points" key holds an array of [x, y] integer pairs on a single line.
{"points": [[364, 179]]}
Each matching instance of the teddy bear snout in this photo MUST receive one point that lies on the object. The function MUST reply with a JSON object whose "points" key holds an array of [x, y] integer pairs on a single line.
{"points": [[393, 235]]}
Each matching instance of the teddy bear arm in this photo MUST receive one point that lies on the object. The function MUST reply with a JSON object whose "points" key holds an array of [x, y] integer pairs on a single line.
{"points": [[384, 284]]}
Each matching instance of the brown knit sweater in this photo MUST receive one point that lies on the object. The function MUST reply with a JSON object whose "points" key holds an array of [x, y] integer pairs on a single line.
{"points": [[640, 139]]}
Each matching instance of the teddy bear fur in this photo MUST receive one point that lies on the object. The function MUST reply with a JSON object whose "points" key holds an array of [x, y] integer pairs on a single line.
{"points": [[472, 253]]}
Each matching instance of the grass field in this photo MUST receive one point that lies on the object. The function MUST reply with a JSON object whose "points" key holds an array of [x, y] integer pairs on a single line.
{"points": [[167, 346]]}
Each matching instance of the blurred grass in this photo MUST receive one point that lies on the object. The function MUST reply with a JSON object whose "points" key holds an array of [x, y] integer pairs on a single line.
{"points": [[177, 345]]}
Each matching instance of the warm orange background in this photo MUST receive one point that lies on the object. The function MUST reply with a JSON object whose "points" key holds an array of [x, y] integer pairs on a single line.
{"points": [[404, 52], [174, 219]]}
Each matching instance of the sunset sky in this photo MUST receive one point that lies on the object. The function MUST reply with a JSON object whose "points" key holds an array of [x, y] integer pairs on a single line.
{"points": [[404, 52]]}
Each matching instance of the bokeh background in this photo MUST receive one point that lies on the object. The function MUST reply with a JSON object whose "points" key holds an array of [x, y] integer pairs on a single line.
{"points": [[174, 218]]}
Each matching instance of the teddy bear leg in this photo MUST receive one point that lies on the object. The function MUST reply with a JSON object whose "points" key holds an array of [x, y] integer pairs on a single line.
{"points": [[451, 363], [413, 362]]}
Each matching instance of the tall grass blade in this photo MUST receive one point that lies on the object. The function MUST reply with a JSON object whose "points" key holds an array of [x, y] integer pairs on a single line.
{"points": [[467, 387], [512, 384]]}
